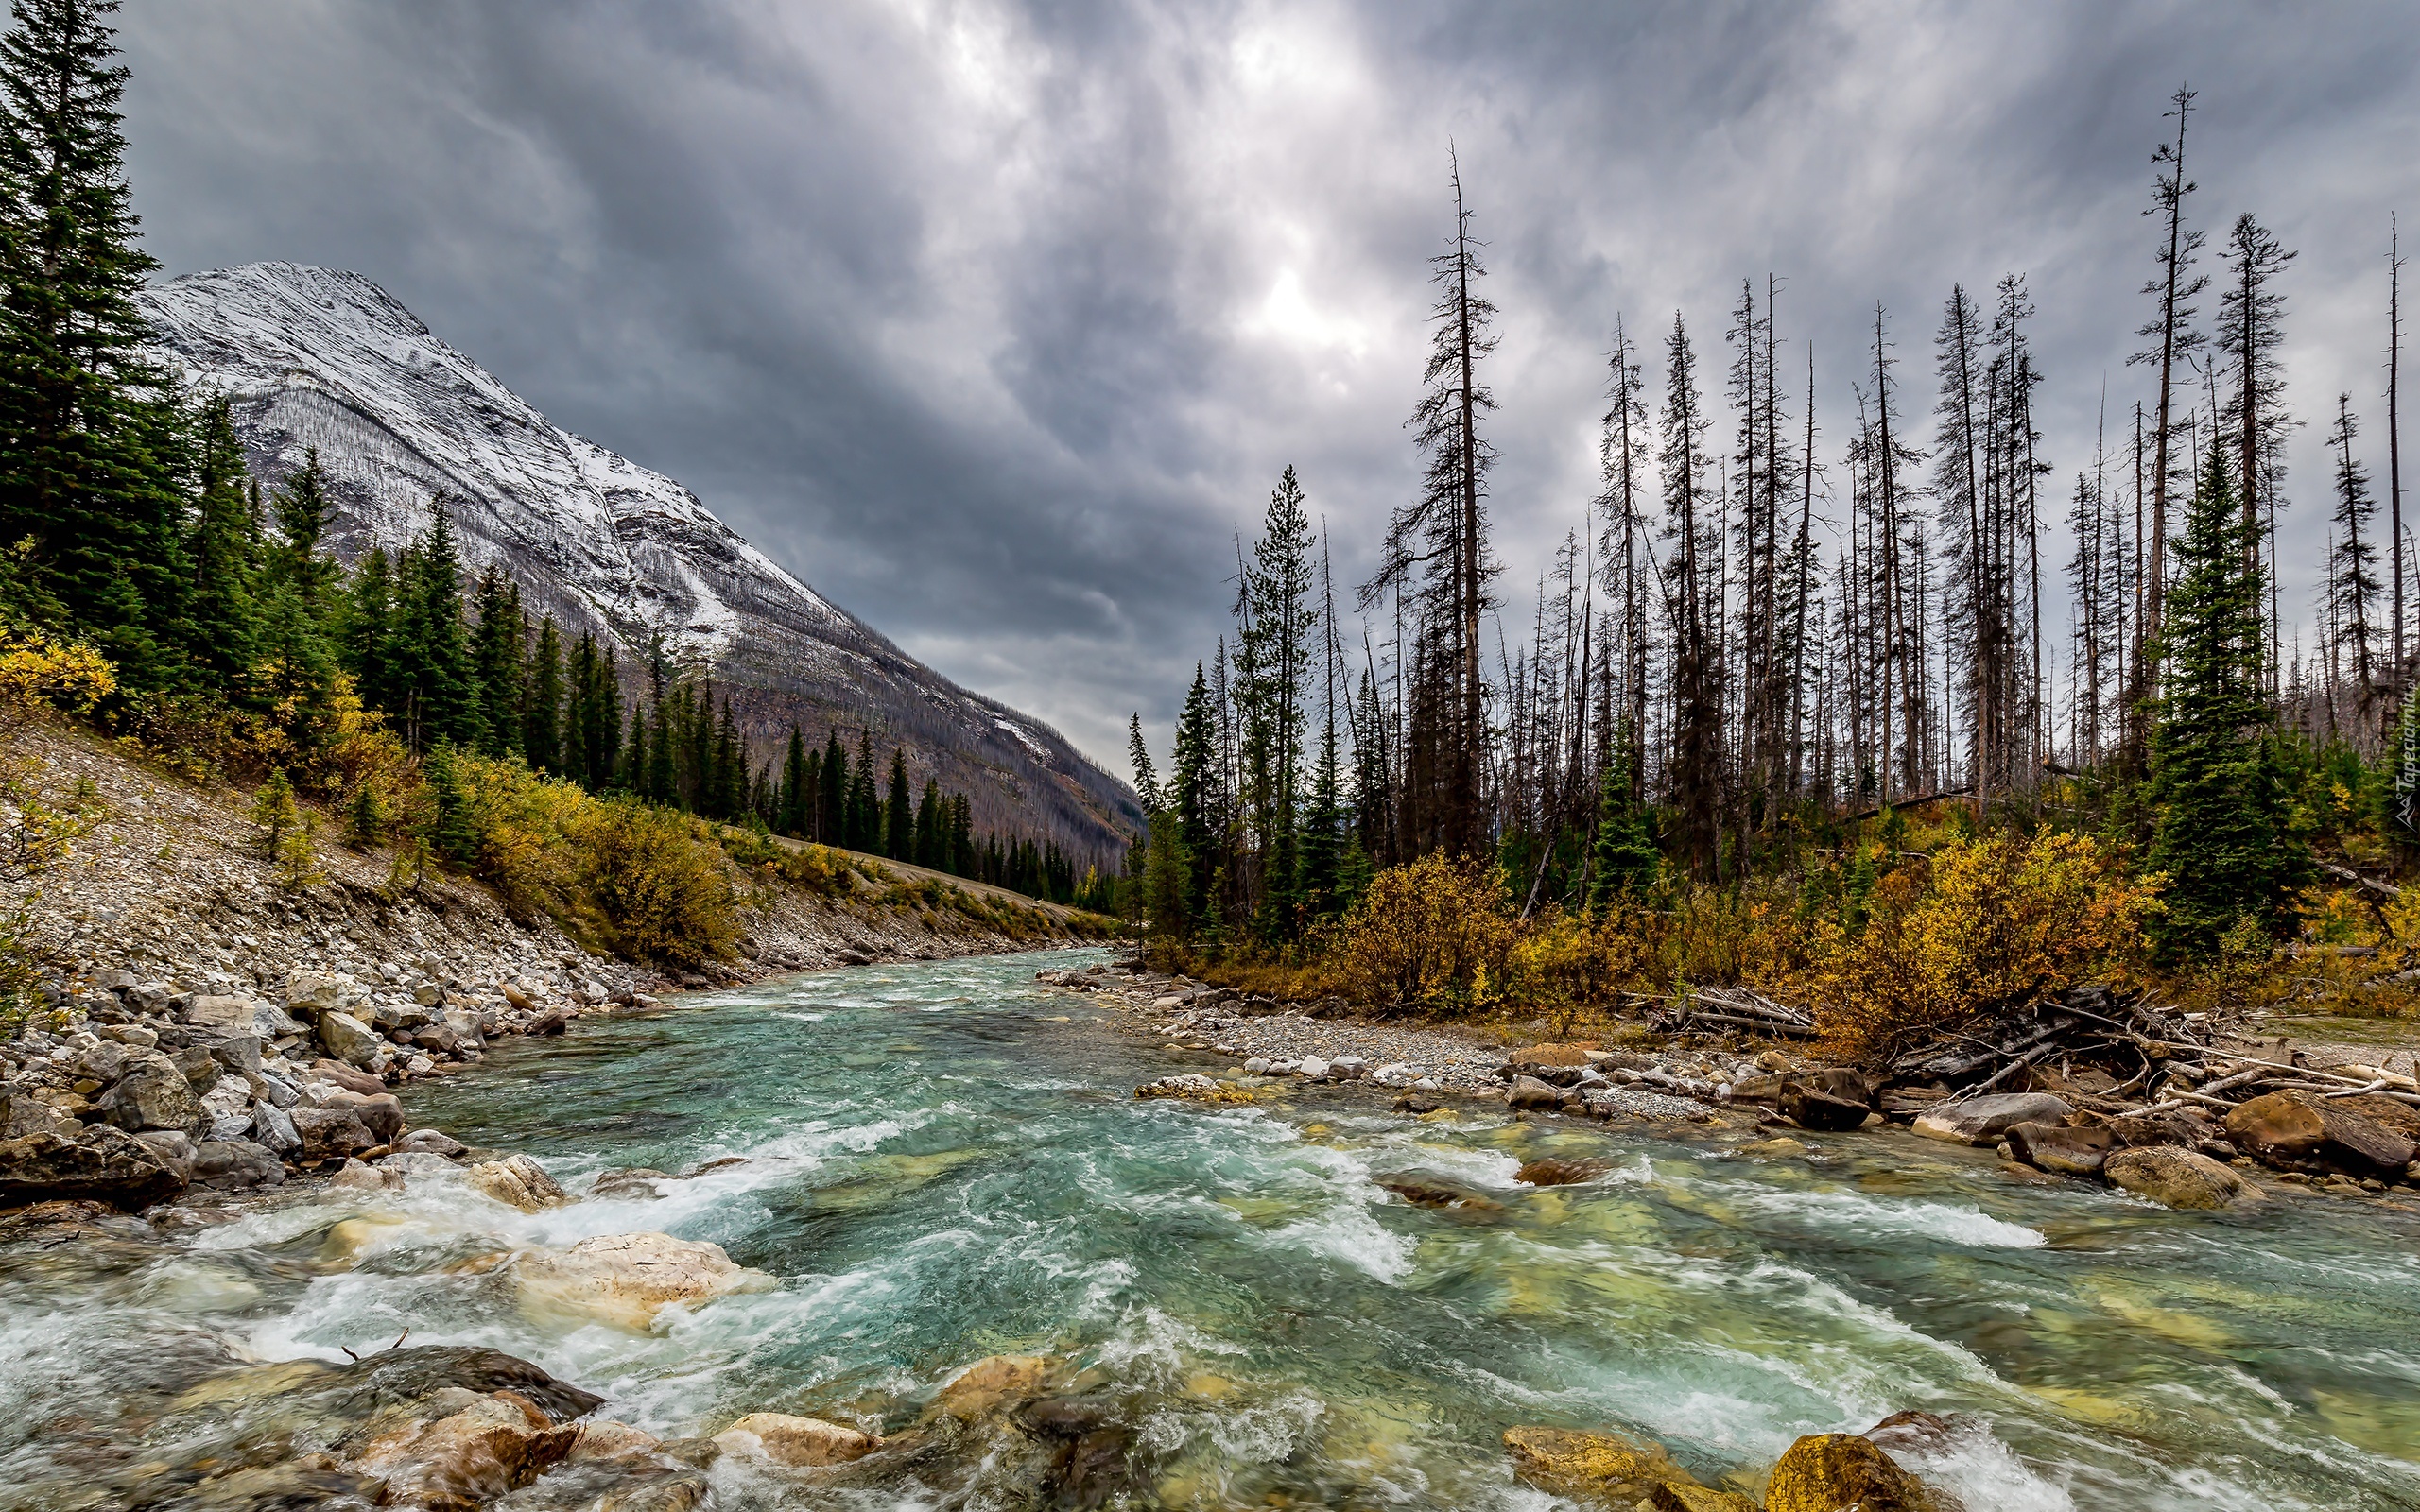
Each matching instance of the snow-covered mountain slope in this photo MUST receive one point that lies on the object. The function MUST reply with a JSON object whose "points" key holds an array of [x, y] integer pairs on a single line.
{"points": [[311, 357]]}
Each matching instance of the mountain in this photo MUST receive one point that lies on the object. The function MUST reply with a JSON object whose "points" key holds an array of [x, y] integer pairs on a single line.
{"points": [[311, 357]]}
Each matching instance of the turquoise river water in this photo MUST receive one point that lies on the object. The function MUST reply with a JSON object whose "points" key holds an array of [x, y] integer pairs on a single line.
{"points": [[945, 1162]]}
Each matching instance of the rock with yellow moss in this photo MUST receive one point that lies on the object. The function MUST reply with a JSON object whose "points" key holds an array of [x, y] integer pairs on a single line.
{"points": [[1605, 1468], [1844, 1472]]}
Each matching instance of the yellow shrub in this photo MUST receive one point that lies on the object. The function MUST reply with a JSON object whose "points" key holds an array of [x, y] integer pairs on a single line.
{"points": [[37, 669], [661, 894], [1568, 966], [1430, 935], [1982, 926]]}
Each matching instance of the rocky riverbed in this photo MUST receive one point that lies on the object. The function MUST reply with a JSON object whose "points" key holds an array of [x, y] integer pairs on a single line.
{"points": [[2337, 1136]]}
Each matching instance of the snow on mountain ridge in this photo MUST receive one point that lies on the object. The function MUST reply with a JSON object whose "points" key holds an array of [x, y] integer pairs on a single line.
{"points": [[313, 358]]}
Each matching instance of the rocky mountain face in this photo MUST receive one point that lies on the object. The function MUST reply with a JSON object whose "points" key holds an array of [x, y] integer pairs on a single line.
{"points": [[312, 357]]}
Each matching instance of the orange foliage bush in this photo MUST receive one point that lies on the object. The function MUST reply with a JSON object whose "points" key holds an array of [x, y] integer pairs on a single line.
{"points": [[1980, 927], [1431, 935]]}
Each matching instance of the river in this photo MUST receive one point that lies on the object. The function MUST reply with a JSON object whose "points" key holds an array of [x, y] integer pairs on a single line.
{"points": [[944, 1160]]}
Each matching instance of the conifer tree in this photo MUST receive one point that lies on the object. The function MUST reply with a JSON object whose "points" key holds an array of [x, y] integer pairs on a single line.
{"points": [[88, 429], [1197, 798], [1138, 756], [730, 795], [451, 832], [275, 814], [542, 713], [221, 619], [798, 787], [367, 649], [831, 796], [931, 828], [2352, 584], [2218, 785], [433, 653], [298, 588], [1623, 862], [496, 651], [366, 819], [899, 814], [865, 804]]}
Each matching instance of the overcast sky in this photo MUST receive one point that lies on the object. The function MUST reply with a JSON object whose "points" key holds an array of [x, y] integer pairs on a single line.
{"points": [[995, 321]]}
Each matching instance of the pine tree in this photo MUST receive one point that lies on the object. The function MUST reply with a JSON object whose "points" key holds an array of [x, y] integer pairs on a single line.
{"points": [[542, 713], [731, 795], [1695, 593], [275, 814], [2224, 836], [865, 803], [2352, 584], [1196, 797], [433, 655], [496, 652], [831, 796], [298, 607], [221, 620], [899, 814], [798, 787], [1623, 862], [366, 648], [451, 832], [366, 819], [932, 827], [89, 428], [1138, 756]]}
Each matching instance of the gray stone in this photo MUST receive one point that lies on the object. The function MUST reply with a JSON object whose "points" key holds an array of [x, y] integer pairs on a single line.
{"points": [[102, 1060], [175, 1149], [101, 1165], [23, 1113], [1983, 1120], [348, 1038], [431, 1141], [274, 1128], [151, 1094], [227, 1110], [1527, 1091], [229, 1164], [330, 1133], [269, 1087]]}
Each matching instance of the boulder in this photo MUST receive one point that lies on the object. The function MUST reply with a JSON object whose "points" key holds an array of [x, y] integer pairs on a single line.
{"points": [[226, 1110], [1527, 1091], [274, 1128], [98, 1164], [348, 1038], [517, 1181], [991, 1383], [1983, 1120], [2063, 1151], [21, 1113], [430, 1142], [795, 1442], [240, 1015], [152, 1093], [382, 1114], [1603, 1468], [2299, 1132], [1833, 1472], [329, 1133], [348, 1077], [606, 1439], [628, 1278], [225, 1165], [2177, 1177], [493, 1445], [1812, 1110]]}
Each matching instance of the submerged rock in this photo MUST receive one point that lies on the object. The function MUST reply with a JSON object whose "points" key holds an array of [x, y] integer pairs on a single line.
{"points": [[628, 1278], [1553, 1173], [991, 1383], [1604, 1467], [2177, 1177], [489, 1446], [1674, 1496], [796, 1442], [1837, 1472]]}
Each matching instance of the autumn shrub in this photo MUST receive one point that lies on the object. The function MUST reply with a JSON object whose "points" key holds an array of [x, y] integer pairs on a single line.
{"points": [[1430, 936], [660, 893], [1976, 928], [1568, 966], [40, 672]]}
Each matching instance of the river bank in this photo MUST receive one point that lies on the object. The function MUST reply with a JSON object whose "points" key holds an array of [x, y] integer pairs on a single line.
{"points": [[945, 1224]]}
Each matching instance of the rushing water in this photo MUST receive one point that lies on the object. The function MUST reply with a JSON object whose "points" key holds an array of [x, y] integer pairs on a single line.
{"points": [[944, 1161]]}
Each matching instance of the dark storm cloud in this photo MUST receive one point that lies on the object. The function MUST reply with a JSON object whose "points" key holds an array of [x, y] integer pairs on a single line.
{"points": [[995, 321]]}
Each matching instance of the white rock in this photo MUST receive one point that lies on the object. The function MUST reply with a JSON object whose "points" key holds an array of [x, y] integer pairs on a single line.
{"points": [[1257, 1066], [272, 1127], [1312, 1065], [227, 1107], [629, 1278]]}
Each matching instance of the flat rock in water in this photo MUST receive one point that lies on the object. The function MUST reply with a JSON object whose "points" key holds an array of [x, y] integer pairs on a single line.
{"points": [[98, 1164], [1553, 1172], [2177, 1177], [992, 1382], [628, 1278], [1983, 1120], [796, 1442], [1604, 1467], [1812, 1110], [517, 1181]]}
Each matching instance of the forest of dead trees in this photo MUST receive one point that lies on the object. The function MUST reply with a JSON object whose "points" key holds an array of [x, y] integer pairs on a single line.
{"points": [[1788, 608]]}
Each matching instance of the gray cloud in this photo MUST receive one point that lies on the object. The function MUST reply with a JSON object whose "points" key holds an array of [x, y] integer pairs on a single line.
{"points": [[997, 321]]}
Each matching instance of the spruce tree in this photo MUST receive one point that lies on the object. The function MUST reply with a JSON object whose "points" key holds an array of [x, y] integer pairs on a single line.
{"points": [[542, 714], [865, 804], [899, 812], [831, 796], [2224, 836], [663, 776], [432, 651], [222, 622], [797, 786], [495, 663], [88, 429], [1196, 793], [1624, 861], [298, 598], [450, 831], [729, 787], [927, 847], [366, 637]]}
